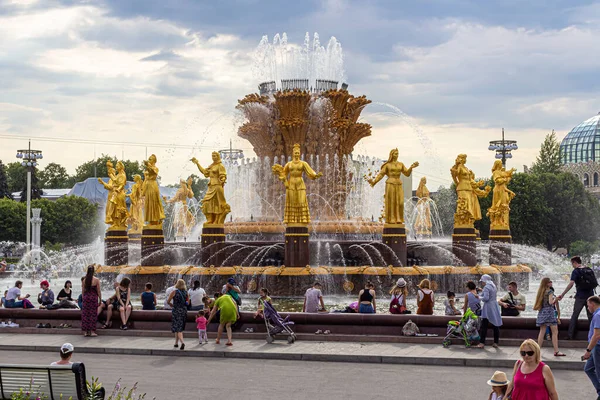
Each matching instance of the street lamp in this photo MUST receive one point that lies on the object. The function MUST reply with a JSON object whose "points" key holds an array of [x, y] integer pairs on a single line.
{"points": [[503, 148], [29, 160]]}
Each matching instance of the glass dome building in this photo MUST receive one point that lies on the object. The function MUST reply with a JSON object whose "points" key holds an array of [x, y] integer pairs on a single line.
{"points": [[580, 152], [582, 144]]}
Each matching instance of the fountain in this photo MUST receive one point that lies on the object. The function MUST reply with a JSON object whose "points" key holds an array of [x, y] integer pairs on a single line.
{"points": [[339, 227]]}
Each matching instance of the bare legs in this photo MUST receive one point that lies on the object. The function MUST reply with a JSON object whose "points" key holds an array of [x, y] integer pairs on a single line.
{"points": [[554, 331], [228, 327], [109, 310], [125, 312]]}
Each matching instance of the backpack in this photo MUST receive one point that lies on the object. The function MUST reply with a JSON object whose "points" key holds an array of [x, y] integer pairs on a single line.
{"points": [[586, 280], [410, 329]]}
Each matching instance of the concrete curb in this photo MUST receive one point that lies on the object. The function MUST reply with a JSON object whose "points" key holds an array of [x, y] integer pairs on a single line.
{"points": [[455, 360]]}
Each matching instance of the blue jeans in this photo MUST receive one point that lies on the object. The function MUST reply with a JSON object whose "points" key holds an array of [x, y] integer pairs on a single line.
{"points": [[13, 304], [592, 368], [366, 309]]}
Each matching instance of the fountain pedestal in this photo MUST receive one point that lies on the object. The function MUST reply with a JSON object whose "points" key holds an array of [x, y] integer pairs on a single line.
{"points": [[296, 246], [500, 247], [116, 251], [152, 243], [394, 236], [213, 241], [464, 245]]}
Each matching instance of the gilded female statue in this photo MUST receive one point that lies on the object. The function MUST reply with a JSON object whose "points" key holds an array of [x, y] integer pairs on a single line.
{"points": [[423, 221], [154, 212], [296, 204], [500, 209], [465, 207], [394, 193], [476, 193], [184, 220], [109, 187], [214, 206], [136, 210]]}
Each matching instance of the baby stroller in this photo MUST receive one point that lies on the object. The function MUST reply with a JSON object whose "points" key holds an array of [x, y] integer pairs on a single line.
{"points": [[466, 329], [276, 325]]}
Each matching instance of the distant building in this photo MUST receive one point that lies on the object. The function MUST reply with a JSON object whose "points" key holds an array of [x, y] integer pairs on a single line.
{"points": [[50, 194], [580, 153]]}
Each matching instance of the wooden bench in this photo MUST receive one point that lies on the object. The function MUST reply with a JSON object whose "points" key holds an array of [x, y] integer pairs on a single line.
{"points": [[52, 382]]}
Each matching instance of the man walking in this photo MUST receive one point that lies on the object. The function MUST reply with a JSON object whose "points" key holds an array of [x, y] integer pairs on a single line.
{"points": [[592, 352], [585, 282]]}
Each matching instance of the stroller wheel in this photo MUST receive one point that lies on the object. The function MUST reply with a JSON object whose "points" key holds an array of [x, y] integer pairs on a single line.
{"points": [[468, 344], [291, 339], [446, 344], [270, 339]]}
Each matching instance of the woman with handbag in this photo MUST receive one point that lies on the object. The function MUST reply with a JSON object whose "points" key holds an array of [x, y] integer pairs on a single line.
{"points": [[178, 301], [398, 301]]}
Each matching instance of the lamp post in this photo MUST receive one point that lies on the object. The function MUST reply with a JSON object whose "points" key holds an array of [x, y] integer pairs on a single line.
{"points": [[29, 159], [503, 148]]}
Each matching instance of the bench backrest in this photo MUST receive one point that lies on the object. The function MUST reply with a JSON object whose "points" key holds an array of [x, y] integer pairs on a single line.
{"points": [[53, 382]]}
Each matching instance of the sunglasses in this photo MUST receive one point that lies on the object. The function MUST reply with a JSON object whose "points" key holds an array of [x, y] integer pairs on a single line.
{"points": [[527, 353]]}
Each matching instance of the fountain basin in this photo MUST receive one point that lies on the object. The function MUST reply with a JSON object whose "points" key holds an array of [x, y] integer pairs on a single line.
{"points": [[288, 281]]}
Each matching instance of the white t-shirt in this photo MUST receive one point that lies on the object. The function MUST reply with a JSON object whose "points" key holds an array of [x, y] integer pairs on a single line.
{"points": [[496, 396], [168, 292], [13, 293], [312, 300], [56, 363], [423, 292], [196, 296]]}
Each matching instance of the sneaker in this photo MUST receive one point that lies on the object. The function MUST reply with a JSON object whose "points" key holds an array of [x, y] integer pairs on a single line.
{"points": [[495, 345], [319, 332]]}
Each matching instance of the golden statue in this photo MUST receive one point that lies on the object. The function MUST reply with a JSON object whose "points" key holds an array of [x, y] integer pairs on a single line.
{"points": [[154, 212], [109, 187], [136, 210], [296, 204], [423, 226], [500, 209], [116, 203], [461, 176], [214, 206], [394, 193], [184, 220], [477, 192]]}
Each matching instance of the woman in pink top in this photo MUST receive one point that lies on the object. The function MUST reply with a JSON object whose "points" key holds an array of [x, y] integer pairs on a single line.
{"points": [[532, 379]]}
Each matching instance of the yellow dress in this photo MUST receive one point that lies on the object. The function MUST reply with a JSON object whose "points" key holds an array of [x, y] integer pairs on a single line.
{"points": [[394, 193], [214, 200], [153, 210], [464, 191], [136, 210], [423, 222], [296, 204]]}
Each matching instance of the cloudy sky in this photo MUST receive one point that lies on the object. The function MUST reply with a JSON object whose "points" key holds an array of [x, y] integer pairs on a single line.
{"points": [[165, 76]]}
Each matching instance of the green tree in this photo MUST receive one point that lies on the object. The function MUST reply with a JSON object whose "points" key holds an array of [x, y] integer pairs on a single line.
{"points": [[548, 161], [36, 192], [584, 249], [54, 176], [16, 176], [97, 168], [4, 192], [12, 220]]}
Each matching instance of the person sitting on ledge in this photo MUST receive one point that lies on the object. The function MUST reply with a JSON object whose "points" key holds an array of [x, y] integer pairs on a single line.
{"points": [[472, 300], [66, 293], [449, 304], [148, 298], [366, 299], [124, 301], [425, 298], [513, 302], [313, 298], [196, 294], [46, 297], [109, 305], [232, 289], [66, 352], [398, 301], [14, 298], [168, 292], [3, 299]]}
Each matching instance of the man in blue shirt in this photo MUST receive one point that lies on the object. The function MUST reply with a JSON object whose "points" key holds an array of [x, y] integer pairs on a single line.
{"points": [[581, 296], [592, 352]]}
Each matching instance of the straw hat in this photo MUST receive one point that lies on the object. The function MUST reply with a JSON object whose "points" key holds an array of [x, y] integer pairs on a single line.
{"points": [[498, 379], [401, 283]]}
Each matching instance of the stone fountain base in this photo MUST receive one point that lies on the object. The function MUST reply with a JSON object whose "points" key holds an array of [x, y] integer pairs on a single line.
{"points": [[288, 281]]}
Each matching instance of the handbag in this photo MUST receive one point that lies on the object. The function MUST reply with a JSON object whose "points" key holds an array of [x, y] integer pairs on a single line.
{"points": [[396, 307], [511, 311]]}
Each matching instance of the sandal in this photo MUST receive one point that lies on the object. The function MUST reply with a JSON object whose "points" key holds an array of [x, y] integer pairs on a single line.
{"points": [[228, 344], [217, 341], [93, 334], [559, 354]]}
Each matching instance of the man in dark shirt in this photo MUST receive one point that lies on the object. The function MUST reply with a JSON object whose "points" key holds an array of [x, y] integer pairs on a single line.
{"points": [[581, 296]]}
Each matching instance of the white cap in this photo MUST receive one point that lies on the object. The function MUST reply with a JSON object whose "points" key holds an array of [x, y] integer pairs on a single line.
{"points": [[67, 348]]}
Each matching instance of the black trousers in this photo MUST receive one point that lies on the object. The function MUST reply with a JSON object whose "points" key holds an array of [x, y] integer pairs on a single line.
{"points": [[577, 307], [484, 328]]}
